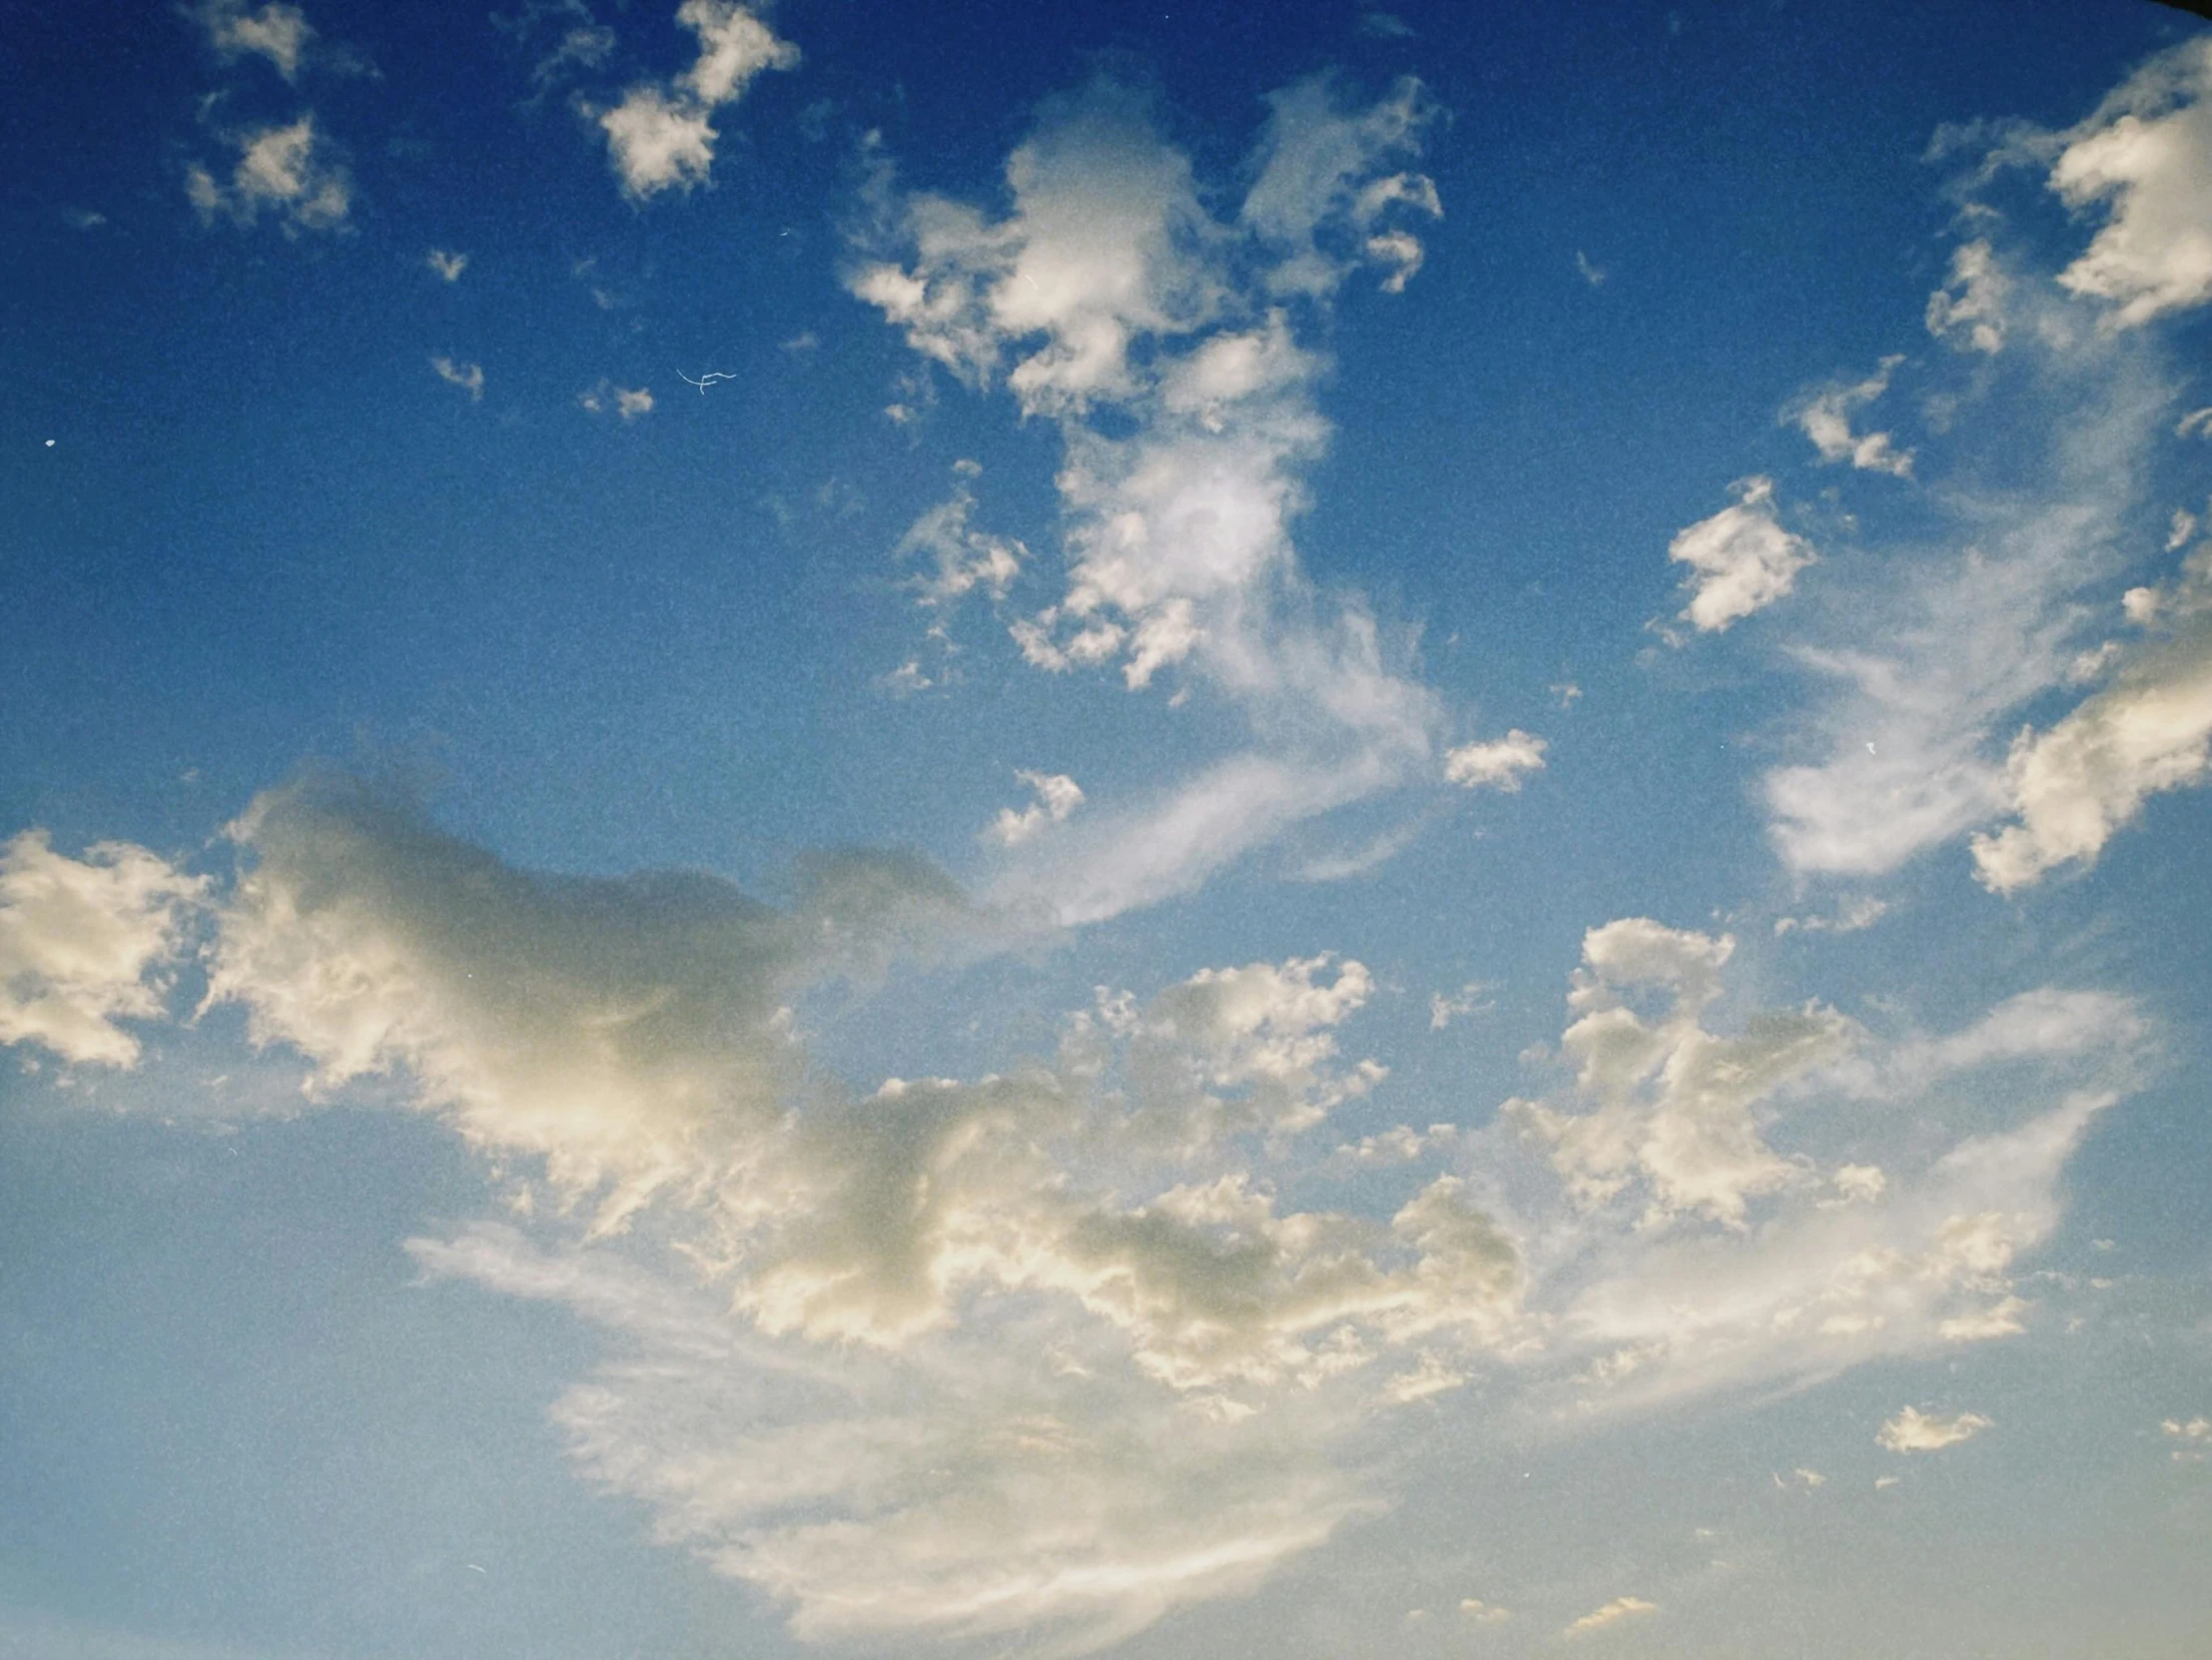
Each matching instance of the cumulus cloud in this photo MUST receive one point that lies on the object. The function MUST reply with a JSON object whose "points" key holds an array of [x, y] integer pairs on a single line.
{"points": [[2073, 786], [1912, 1430], [1167, 345], [289, 172], [1612, 1613], [1824, 417], [83, 942], [1500, 764], [662, 137], [275, 32], [2145, 156], [1740, 559], [1671, 1107], [1057, 795]]}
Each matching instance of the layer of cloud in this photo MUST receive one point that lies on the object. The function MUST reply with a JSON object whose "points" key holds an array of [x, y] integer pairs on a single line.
{"points": [[83, 942], [1740, 559], [662, 137], [287, 172]]}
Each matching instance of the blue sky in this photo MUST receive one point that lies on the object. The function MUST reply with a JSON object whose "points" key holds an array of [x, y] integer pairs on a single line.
{"points": [[1037, 831]]}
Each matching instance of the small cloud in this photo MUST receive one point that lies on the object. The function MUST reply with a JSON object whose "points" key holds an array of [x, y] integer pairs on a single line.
{"points": [[1468, 1000], [446, 265], [1856, 1184], [468, 376], [2194, 1436], [83, 219], [1824, 417], [1620, 1608], [1385, 26], [1912, 1430], [1740, 559], [289, 171], [1590, 274], [276, 32], [1481, 1612], [1497, 765], [629, 402], [1566, 694], [2197, 422], [1850, 919], [661, 138], [1056, 796], [803, 341]]}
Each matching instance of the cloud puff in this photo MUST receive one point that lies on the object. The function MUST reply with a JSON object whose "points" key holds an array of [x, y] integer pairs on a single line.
{"points": [[1618, 1609], [1671, 1104], [2146, 156], [287, 171], [662, 138], [2193, 1439], [1824, 417], [1912, 1430], [1740, 559], [1499, 764], [446, 264], [1969, 311], [80, 941], [276, 32], [629, 402], [966, 559], [1165, 344], [468, 376], [2073, 786], [1057, 795]]}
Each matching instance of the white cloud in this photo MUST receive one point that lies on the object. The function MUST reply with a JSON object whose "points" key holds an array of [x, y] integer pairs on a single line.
{"points": [[1109, 300], [276, 32], [1612, 1613], [1860, 912], [1911, 1430], [2193, 1439], [2075, 785], [662, 137], [1057, 795], [1499, 764], [1467, 1000], [1673, 1107], [1742, 560], [1481, 1612], [1824, 417], [82, 942], [627, 402], [289, 171], [2146, 156], [1969, 311], [966, 559], [448, 265], [468, 376]]}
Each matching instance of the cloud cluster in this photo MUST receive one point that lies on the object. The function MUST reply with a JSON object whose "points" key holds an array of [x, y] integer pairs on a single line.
{"points": [[1170, 348], [662, 137], [81, 942], [289, 171]]}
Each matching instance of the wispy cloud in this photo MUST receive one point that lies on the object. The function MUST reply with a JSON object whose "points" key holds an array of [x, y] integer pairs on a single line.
{"points": [[289, 171]]}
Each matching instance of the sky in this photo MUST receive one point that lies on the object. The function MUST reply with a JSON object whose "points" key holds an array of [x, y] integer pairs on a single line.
{"points": [[1029, 831]]}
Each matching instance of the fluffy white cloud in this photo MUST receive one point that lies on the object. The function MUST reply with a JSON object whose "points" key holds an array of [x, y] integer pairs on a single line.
{"points": [[287, 171], [1912, 1430], [2073, 786], [1824, 417], [1673, 1107], [2146, 156], [276, 32], [1612, 1613], [1499, 764], [662, 138], [81, 942], [1740, 559], [1111, 301], [1057, 795]]}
